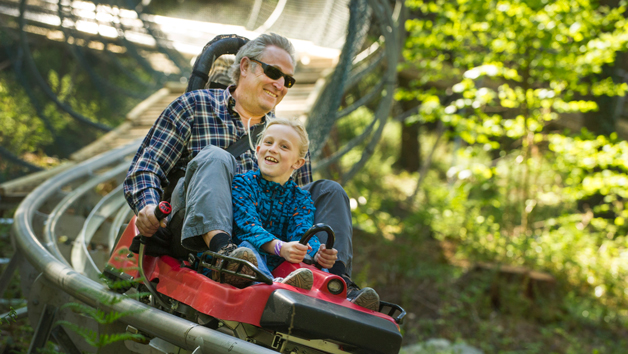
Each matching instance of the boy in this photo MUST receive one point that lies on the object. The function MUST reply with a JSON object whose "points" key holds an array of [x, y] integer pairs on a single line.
{"points": [[271, 212]]}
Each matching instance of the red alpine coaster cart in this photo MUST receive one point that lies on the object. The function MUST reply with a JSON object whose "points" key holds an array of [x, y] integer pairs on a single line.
{"points": [[270, 314]]}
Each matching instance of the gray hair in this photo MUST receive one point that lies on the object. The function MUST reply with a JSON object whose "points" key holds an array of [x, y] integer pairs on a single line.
{"points": [[254, 49]]}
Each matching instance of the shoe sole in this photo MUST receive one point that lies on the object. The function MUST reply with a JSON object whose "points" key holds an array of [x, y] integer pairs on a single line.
{"points": [[244, 254], [368, 299], [303, 279]]}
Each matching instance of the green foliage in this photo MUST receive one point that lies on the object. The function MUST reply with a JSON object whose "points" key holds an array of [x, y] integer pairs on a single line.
{"points": [[11, 316], [585, 248], [506, 69], [33, 127], [123, 284], [514, 65], [540, 41], [94, 338], [596, 175], [99, 340], [470, 203], [18, 123], [594, 166], [100, 316], [509, 68], [18, 330]]}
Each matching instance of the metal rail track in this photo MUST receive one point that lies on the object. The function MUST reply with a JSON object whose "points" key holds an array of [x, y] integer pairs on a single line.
{"points": [[46, 234]]}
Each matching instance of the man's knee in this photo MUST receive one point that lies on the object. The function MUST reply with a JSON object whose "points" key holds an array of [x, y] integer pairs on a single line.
{"points": [[335, 188], [325, 187], [212, 155]]}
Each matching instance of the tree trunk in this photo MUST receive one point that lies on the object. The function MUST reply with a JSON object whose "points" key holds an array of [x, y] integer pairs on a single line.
{"points": [[410, 152], [602, 121]]}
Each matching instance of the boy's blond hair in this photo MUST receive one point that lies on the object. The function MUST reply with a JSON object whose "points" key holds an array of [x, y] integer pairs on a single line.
{"points": [[297, 126]]}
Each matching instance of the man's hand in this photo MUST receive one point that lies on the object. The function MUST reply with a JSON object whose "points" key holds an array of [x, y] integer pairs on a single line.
{"points": [[326, 258], [294, 252], [147, 222]]}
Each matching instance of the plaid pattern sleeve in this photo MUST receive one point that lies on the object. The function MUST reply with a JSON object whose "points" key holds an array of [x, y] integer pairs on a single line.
{"points": [[303, 175], [161, 148]]}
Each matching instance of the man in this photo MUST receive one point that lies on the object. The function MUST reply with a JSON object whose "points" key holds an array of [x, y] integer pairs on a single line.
{"points": [[191, 134]]}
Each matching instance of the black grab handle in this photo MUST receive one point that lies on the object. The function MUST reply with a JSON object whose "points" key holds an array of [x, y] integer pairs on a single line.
{"points": [[331, 237]]}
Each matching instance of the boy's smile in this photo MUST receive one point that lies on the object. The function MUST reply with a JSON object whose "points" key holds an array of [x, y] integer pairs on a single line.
{"points": [[278, 153]]}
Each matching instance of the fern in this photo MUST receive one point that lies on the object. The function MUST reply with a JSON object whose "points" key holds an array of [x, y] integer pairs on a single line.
{"points": [[12, 315], [100, 316], [121, 284], [104, 317], [99, 340]]}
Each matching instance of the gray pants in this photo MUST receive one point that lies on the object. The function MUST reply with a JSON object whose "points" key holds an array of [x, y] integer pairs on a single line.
{"points": [[201, 202]]}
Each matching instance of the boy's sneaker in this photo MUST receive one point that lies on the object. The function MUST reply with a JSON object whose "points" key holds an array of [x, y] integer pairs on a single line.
{"points": [[367, 297], [231, 250], [300, 278]]}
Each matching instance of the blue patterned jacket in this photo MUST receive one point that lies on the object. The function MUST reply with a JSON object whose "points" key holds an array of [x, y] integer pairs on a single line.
{"points": [[265, 210]]}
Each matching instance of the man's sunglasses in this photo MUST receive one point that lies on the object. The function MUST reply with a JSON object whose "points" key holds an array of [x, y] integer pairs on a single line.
{"points": [[275, 74]]}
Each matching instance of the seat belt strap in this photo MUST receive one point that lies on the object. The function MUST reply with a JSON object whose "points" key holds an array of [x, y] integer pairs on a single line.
{"points": [[239, 147]]}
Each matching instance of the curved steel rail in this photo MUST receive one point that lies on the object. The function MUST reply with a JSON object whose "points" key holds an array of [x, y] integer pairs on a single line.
{"points": [[82, 257], [61, 210], [31, 216], [116, 228]]}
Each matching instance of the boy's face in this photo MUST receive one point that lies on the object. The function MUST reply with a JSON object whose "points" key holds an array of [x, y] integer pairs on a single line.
{"points": [[278, 153]]}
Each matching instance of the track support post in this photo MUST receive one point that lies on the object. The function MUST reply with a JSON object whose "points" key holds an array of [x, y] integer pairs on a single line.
{"points": [[7, 275], [42, 332]]}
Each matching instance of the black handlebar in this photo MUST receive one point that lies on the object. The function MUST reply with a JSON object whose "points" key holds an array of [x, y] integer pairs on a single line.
{"points": [[331, 237]]}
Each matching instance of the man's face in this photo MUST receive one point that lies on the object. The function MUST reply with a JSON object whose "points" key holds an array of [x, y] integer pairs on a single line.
{"points": [[264, 93]]}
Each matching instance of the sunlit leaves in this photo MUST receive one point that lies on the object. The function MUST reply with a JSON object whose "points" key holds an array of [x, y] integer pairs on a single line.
{"points": [[596, 166], [492, 69], [542, 51], [609, 88], [498, 69], [20, 128]]}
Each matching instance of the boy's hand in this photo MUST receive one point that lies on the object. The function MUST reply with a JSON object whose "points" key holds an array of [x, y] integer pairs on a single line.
{"points": [[147, 222], [294, 252], [326, 258]]}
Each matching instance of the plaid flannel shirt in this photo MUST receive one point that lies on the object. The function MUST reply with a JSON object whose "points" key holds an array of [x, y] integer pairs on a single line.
{"points": [[191, 122]]}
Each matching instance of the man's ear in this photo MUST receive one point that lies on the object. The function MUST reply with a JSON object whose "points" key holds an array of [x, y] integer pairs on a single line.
{"points": [[245, 64], [297, 165]]}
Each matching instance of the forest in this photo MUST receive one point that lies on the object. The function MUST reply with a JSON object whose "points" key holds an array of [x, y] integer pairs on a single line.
{"points": [[494, 206]]}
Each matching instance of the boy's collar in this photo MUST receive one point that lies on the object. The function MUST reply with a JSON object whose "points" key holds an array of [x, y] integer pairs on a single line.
{"points": [[272, 184]]}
